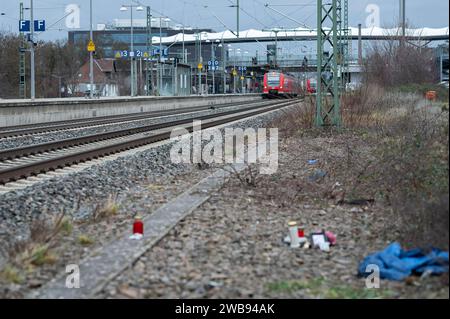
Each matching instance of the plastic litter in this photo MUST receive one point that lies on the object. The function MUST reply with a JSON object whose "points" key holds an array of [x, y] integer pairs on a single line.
{"points": [[324, 246], [398, 264], [323, 240], [318, 174], [331, 238]]}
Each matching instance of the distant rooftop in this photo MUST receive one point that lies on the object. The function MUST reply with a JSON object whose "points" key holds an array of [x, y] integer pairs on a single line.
{"points": [[118, 24]]}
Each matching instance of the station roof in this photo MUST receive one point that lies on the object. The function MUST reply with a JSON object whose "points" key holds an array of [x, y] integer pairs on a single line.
{"points": [[375, 33]]}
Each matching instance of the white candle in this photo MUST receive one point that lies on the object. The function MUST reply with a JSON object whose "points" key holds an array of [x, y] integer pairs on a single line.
{"points": [[293, 233]]}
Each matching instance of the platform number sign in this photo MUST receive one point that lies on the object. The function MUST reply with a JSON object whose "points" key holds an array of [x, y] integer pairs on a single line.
{"points": [[213, 65], [124, 54], [25, 25]]}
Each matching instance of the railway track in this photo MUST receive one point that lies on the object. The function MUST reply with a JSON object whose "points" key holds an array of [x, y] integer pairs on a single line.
{"points": [[23, 130], [19, 163]]}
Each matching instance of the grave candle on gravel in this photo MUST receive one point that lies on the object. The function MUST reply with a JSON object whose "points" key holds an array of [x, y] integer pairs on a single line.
{"points": [[293, 232], [138, 226]]}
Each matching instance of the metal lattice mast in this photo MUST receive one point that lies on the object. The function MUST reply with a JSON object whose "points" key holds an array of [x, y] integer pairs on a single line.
{"points": [[347, 40], [149, 45], [343, 39], [22, 80], [328, 91]]}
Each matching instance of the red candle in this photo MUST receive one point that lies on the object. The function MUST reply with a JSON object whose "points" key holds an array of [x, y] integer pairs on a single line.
{"points": [[138, 226]]}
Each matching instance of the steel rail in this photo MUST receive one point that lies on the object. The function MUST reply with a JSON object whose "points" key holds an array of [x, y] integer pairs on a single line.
{"points": [[44, 165], [22, 130]]}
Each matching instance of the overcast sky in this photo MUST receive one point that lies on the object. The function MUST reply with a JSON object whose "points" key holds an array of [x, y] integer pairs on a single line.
{"points": [[254, 14]]}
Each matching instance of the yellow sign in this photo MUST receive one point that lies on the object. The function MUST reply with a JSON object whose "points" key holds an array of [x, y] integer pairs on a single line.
{"points": [[234, 73], [91, 46], [200, 66], [118, 56], [242, 78], [146, 55]]}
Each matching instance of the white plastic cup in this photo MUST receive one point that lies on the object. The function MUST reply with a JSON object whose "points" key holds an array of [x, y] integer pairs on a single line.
{"points": [[293, 233]]}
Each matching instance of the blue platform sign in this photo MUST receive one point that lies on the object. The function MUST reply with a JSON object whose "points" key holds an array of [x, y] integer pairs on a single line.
{"points": [[24, 25], [165, 52], [131, 54]]}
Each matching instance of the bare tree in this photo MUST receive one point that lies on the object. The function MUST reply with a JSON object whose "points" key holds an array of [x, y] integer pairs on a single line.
{"points": [[398, 62]]}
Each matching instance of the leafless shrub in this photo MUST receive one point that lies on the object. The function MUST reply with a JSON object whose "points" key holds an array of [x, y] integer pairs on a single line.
{"points": [[248, 177], [298, 119], [394, 63], [408, 168], [423, 223]]}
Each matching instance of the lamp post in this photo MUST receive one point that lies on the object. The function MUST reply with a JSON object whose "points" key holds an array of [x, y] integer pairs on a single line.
{"points": [[235, 50], [235, 55], [200, 91], [91, 55], [199, 37], [160, 80], [222, 47], [32, 71], [59, 77], [123, 9], [225, 52], [242, 70], [213, 64]]}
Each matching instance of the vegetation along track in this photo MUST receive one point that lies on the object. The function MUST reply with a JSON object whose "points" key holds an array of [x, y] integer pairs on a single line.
{"points": [[31, 160], [22, 130]]}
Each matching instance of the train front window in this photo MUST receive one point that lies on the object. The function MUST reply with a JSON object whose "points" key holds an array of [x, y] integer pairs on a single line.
{"points": [[273, 79]]}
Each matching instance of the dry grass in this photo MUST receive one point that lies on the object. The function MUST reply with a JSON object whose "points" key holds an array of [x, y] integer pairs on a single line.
{"points": [[106, 209], [85, 240], [407, 168], [389, 150], [296, 121], [38, 249]]}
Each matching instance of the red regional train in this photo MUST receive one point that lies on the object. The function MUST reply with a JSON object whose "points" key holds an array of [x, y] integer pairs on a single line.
{"points": [[311, 86], [279, 84]]}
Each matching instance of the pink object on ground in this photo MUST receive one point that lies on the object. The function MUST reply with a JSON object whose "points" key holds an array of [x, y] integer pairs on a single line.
{"points": [[331, 238]]}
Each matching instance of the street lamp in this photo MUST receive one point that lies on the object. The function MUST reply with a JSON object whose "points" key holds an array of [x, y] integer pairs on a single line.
{"points": [[213, 64], [59, 77], [242, 64], [160, 53], [199, 37], [124, 8], [222, 47], [235, 52]]}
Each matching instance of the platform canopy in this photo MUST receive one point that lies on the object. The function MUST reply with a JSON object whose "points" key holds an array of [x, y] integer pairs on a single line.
{"points": [[424, 34]]}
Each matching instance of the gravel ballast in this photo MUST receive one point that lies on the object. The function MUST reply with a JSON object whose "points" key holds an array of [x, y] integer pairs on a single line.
{"points": [[138, 184], [26, 140], [232, 246]]}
